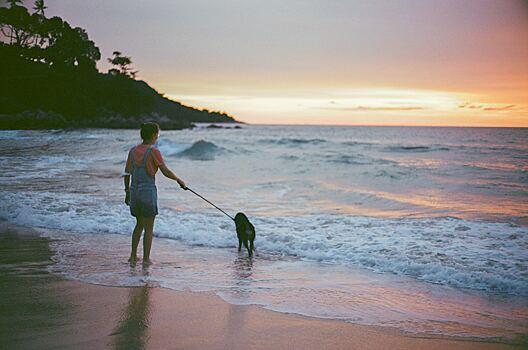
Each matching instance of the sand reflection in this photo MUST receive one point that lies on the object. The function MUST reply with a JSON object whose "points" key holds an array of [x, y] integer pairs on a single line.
{"points": [[242, 269], [132, 330]]}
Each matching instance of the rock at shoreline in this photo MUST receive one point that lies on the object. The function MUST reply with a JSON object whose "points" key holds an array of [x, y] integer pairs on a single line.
{"points": [[39, 119], [32, 120], [214, 126]]}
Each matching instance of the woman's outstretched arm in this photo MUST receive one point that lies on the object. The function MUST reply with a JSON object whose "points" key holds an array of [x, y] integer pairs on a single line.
{"points": [[168, 173]]}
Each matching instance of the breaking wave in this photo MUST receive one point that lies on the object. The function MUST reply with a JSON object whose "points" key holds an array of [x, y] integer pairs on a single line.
{"points": [[359, 159], [201, 150], [293, 141], [410, 247], [400, 148]]}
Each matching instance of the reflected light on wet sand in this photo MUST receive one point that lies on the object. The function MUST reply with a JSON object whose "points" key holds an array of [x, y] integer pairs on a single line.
{"points": [[132, 330]]}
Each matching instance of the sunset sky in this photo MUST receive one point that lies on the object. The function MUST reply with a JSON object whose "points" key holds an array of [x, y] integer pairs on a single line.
{"points": [[437, 62]]}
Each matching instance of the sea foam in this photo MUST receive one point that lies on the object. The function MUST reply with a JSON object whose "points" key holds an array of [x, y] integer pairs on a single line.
{"points": [[460, 253]]}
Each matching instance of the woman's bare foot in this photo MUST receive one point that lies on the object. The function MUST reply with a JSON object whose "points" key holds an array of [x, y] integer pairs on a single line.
{"points": [[132, 260], [147, 262]]}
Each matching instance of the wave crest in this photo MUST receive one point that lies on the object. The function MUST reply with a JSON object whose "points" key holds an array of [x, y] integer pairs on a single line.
{"points": [[410, 247], [201, 150], [403, 148], [293, 141]]}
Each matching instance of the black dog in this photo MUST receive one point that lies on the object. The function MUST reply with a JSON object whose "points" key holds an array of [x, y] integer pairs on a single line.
{"points": [[245, 232]]}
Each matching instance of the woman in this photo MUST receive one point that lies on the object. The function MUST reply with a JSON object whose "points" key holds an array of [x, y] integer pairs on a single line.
{"points": [[143, 162]]}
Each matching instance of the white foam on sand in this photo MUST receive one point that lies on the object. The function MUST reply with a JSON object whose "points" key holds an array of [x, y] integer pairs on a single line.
{"points": [[460, 253]]}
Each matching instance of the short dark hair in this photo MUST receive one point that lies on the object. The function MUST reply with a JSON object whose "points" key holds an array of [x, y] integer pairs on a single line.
{"points": [[148, 130]]}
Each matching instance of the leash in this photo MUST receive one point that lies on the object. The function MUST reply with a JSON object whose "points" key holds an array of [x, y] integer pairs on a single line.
{"points": [[229, 216]]}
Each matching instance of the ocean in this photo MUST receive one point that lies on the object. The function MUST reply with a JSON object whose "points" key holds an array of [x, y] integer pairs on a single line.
{"points": [[422, 229]]}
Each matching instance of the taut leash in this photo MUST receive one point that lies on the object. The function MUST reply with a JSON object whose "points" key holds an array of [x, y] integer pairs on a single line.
{"points": [[229, 216]]}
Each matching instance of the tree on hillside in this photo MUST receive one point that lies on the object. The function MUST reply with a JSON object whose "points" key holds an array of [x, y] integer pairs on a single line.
{"points": [[17, 24], [5, 26], [47, 40], [13, 3], [123, 65], [71, 48]]}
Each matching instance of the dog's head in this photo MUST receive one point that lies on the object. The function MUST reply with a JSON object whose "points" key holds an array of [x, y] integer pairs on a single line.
{"points": [[241, 219], [242, 222]]}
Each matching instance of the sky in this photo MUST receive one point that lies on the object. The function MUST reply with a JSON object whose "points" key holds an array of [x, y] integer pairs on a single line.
{"points": [[343, 62]]}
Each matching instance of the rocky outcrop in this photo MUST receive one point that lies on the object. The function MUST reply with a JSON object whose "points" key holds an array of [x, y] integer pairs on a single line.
{"points": [[50, 120]]}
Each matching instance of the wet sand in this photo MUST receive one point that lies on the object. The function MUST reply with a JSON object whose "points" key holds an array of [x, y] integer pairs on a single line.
{"points": [[39, 310]]}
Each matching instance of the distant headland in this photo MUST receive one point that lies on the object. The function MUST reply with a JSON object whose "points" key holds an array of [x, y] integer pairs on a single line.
{"points": [[49, 79]]}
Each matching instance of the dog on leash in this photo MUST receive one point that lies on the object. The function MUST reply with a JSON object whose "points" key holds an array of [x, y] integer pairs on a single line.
{"points": [[245, 233]]}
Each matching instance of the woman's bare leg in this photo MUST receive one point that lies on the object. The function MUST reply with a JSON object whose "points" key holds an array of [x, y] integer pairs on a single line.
{"points": [[136, 235], [147, 238]]}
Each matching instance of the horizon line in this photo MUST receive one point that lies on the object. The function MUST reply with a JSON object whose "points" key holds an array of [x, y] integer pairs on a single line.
{"points": [[371, 125]]}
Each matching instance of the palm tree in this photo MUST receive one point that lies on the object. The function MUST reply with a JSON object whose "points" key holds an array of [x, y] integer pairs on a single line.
{"points": [[39, 7], [39, 11]]}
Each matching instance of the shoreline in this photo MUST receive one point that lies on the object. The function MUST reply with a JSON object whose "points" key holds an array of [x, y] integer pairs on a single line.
{"points": [[239, 122], [44, 310]]}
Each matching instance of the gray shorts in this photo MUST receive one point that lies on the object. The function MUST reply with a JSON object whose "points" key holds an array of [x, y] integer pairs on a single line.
{"points": [[144, 202]]}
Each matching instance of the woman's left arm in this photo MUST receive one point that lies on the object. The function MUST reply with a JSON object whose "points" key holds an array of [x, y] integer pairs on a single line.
{"points": [[126, 180]]}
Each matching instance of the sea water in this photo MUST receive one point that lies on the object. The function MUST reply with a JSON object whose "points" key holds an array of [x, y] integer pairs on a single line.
{"points": [[420, 229]]}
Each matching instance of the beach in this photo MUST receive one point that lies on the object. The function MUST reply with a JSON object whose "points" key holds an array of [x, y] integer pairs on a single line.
{"points": [[44, 311], [373, 154], [418, 232]]}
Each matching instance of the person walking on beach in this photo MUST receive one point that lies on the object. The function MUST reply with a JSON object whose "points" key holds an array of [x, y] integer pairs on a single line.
{"points": [[143, 162]]}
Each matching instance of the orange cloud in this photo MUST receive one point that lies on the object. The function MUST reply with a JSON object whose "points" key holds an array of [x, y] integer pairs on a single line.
{"points": [[488, 107], [372, 108], [499, 108]]}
